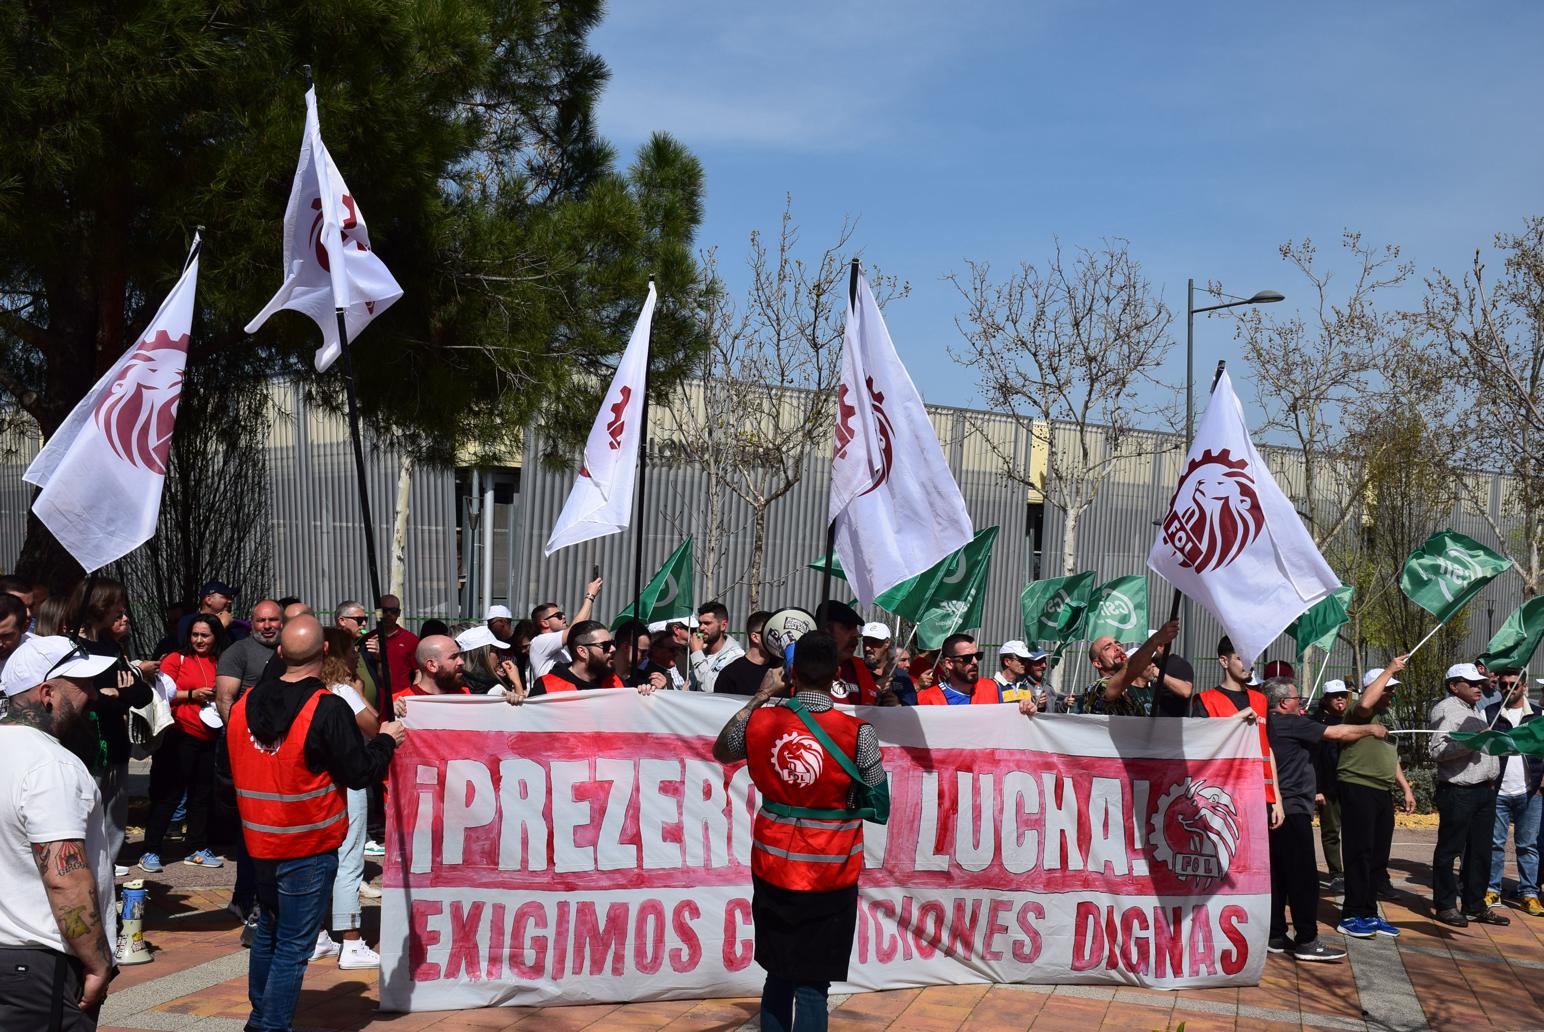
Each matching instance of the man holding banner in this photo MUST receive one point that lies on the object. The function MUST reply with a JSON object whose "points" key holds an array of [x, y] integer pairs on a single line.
{"points": [[813, 765]]}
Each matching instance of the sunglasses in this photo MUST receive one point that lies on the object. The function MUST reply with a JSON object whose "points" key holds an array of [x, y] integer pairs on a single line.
{"points": [[608, 644], [555, 615], [77, 651], [967, 657], [387, 609]]}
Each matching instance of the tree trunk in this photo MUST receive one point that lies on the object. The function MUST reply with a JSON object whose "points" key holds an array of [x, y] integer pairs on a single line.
{"points": [[1074, 515], [758, 554], [398, 577]]}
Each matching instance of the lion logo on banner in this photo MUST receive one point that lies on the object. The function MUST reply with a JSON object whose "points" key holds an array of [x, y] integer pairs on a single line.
{"points": [[798, 759], [1215, 514], [1195, 831], [138, 413], [845, 434]]}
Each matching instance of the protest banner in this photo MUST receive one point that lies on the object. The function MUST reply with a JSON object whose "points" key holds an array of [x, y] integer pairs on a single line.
{"points": [[588, 848]]}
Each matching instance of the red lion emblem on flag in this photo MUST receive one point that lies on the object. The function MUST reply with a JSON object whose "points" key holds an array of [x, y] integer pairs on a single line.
{"points": [[845, 433], [1195, 830], [1215, 513], [140, 408]]}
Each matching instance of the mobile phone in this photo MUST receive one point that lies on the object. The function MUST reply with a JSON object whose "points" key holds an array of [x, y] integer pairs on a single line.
{"points": [[595, 571]]}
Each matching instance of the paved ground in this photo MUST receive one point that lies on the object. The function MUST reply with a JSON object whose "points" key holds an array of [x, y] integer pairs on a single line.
{"points": [[1433, 977]]}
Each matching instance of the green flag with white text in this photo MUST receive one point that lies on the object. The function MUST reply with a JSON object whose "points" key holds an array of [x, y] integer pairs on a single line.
{"points": [[1053, 609], [1447, 571], [954, 600], [668, 596], [1118, 608], [1319, 626], [1515, 641]]}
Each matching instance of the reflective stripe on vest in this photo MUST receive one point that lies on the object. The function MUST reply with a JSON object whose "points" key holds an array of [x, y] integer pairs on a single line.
{"points": [[287, 810], [1217, 704], [791, 768]]}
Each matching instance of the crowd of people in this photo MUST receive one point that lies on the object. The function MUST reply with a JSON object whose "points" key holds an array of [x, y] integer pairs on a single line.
{"points": [[269, 737]]}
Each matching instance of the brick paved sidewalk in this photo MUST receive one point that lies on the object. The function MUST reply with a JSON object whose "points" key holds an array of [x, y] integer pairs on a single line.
{"points": [[1431, 977]]}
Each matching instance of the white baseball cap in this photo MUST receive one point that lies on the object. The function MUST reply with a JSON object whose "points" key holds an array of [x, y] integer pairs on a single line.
{"points": [[39, 659], [498, 613], [1336, 687], [476, 638], [660, 625], [876, 631], [1014, 648], [1372, 675], [1464, 672]]}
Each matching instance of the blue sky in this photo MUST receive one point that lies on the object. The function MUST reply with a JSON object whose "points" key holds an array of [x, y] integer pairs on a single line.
{"points": [[1205, 133]]}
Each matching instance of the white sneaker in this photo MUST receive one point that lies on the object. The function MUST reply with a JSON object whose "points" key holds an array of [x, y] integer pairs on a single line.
{"points": [[369, 891], [374, 848], [325, 947], [357, 956]]}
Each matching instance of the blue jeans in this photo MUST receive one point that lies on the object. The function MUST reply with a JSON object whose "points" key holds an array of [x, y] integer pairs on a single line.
{"points": [[351, 866], [293, 895], [790, 1007], [1523, 811]]}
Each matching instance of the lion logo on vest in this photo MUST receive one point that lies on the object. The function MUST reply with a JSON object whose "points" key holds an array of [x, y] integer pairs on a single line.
{"points": [[140, 408], [1215, 513], [1195, 831], [798, 759]]}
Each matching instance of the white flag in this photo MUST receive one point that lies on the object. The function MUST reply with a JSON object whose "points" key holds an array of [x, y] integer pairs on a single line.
{"points": [[102, 471], [894, 501], [1232, 541], [601, 502], [327, 258]]}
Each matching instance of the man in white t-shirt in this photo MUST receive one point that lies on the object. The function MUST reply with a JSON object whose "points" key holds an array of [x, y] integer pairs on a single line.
{"points": [[1518, 803], [552, 626], [57, 923]]}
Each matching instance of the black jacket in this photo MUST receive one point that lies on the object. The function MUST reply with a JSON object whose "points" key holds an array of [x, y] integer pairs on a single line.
{"points": [[1535, 764], [1328, 757], [333, 746], [113, 710]]}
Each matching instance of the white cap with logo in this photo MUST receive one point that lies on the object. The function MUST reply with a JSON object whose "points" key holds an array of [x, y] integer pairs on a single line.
{"points": [[1372, 675], [498, 613], [1336, 687], [876, 631], [475, 638], [1014, 648], [39, 659], [1465, 672]]}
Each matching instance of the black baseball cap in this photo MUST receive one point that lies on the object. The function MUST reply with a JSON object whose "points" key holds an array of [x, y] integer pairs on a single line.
{"points": [[215, 587], [834, 612]]}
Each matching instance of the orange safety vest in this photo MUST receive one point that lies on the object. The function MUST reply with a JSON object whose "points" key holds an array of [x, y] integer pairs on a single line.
{"points": [[790, 768], [1219, 705], [850, 673], [550, 683], [985, 693], [287, 810]]}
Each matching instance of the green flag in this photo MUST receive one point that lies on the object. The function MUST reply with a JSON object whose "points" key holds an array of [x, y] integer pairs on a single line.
{"points": [[1319, 626], [1119, 608], [668, 596], [954, 598], [1516, 639], [1447, 571], [1054, 609], [1527, 740], [819, 566]]}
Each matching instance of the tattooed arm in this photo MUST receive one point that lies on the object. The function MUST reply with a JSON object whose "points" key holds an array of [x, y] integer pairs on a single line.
{"points": [[72, 894]]}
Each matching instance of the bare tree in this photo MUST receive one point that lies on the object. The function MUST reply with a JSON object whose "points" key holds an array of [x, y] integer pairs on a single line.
{"points": [[1496, 335], [1069, 351], [762, 404], [1320, 371]]}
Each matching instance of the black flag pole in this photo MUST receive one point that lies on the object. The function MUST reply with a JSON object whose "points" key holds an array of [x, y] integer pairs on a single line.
{"points": [[643, 476], [825, 576], [383, 664], [1174, 602]]}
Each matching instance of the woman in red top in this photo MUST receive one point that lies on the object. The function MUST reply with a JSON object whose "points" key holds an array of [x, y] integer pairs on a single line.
{"points": [[185, 760]]}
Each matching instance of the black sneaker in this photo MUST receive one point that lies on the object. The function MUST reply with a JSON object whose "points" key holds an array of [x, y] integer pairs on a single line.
{"points": [[1337, 886], [1490, 917], [249, 929], [1316, 951], [1452, 917], [1278, 944]]}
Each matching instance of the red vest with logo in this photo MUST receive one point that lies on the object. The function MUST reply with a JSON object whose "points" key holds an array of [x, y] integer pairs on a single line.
{"points": [[852, 673], [1219, 705], [287, 811], [789, 766], [985, 693]]}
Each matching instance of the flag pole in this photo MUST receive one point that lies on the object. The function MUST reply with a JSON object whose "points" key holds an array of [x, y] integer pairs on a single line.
{"points": [[1314, 688], [383, 665], [643, 475], [1430, 634], [825, 577], [1174, 601]]}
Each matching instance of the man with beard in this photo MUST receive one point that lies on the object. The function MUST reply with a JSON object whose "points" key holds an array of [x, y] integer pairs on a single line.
{"points": [[744, 675], [960, 681], [711, 647], [1111, 694], [853, 685], [13, 626], [1330, 712], [57, 923], [440, 669], [880, 658], [591, 645]]}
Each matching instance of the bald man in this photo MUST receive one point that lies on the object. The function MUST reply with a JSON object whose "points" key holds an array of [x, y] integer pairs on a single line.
{"points": [[293, 749], [439, 667], [245, 663]]}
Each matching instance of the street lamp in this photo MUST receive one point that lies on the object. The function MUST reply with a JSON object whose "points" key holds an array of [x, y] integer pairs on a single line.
{"points": [[1263, 297]]}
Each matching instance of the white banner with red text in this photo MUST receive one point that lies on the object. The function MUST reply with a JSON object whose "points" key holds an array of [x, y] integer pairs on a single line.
{"points": [[588, 848]]}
